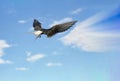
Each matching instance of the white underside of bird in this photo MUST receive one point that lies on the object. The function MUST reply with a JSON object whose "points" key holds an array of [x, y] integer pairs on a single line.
{"points": [[37, 33]]}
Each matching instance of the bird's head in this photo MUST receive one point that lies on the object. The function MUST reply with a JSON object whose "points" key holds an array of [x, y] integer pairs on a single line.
{"points": [[36, 21]]}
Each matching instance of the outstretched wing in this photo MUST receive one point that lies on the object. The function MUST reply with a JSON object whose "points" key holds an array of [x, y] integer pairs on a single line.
{"points": [[60, 28], [36, 25]]}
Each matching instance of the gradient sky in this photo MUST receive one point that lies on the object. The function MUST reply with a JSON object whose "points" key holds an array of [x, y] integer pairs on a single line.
{"points": [[89, 51]]}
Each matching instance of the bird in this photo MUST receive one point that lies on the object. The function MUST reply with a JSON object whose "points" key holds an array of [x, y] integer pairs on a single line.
{"points": [[58, 28]]}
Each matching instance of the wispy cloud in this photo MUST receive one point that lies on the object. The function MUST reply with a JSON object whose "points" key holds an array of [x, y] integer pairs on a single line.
{"points": [[22, 69], [76, 11], [34, 58], [2, 61], [28, 53], [3, 45], [86, 38], [51, 64], [61, 21], [22, 21]]}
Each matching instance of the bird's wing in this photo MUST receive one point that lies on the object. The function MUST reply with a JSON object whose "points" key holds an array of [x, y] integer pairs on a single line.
{"points": [[60, 28], [36, 25]]}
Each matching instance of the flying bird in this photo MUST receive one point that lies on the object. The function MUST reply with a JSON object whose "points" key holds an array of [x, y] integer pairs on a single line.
{"points": [[38, 30]]}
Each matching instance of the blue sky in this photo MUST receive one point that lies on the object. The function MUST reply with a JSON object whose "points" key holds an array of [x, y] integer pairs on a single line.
{"points": [[89, 51]]}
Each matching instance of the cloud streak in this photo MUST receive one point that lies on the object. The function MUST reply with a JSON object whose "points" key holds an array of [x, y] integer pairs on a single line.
{"points": [[22, 69], [2, 61], [51, 64], [77, 11], [60, 21], [22, 21], [34, 58], [85, 37]]}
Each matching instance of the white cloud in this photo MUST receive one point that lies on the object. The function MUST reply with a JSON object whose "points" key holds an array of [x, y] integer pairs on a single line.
{"points": [[22, 69], [28, 53], [76, 11], [61, 21], [86, 38], [34, 58], [51, 64], [2, 61], [3, 45], [22, 21]]}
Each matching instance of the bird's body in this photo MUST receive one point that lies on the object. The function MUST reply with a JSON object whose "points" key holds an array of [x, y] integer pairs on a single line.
{"points": [[37, 33], [38, 30]]}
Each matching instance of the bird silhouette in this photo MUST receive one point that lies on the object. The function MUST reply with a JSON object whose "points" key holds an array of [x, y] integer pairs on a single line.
{"points": [[58, 28]]}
